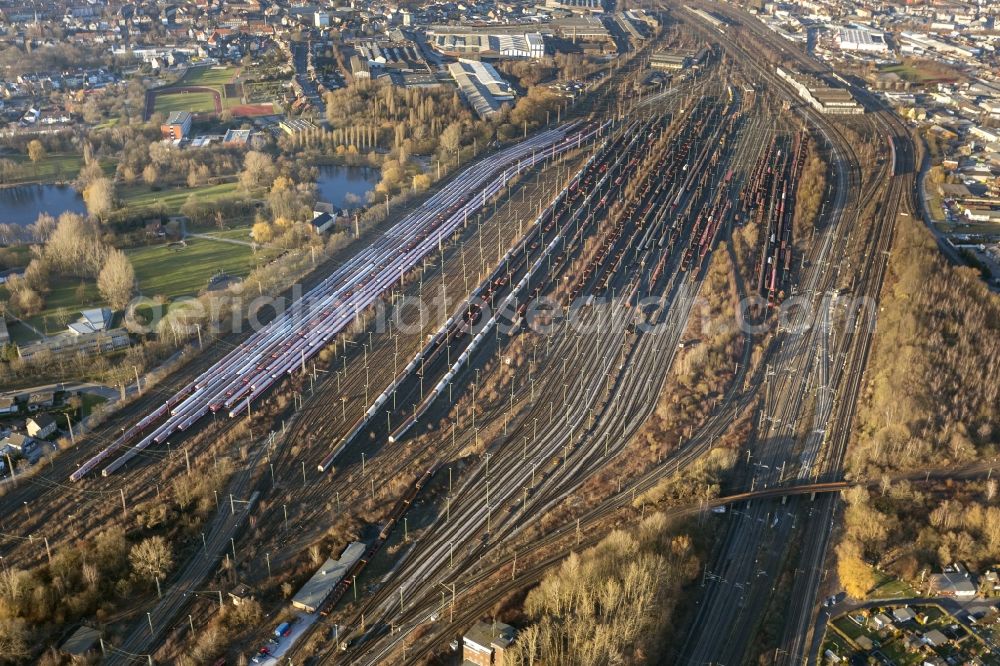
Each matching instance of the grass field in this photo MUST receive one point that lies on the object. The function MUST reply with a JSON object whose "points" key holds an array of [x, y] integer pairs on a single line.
{"points": [[905, 72], [916, 73], [848, 627], [62, 305], [208, 76], [141, 197], [887, 587], [172, 272], [54, 167], [195, 102]]}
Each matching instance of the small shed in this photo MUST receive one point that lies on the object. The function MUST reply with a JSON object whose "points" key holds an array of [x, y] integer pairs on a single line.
{"points": [[41, 400], [881, 621]]}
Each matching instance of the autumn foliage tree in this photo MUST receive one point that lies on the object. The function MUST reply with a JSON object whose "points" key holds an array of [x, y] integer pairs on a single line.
{"points": [[932, 398], [36, 151], [854, 574]]}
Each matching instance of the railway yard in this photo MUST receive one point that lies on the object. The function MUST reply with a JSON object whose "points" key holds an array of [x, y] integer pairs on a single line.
{"points": [[463, 391]]}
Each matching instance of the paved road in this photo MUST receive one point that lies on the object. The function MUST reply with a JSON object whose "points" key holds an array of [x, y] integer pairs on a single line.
{"points": [[107, 392]]}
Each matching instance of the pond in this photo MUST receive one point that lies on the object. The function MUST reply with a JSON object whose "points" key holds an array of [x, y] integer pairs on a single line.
{"points": [[345, 186], [23, 204]]}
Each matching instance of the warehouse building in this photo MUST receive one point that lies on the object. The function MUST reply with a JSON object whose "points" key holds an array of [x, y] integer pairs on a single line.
{"points": [[481, 86], [669, 61], [487, 43], [835, 101], [316, 590], [862, 39]]}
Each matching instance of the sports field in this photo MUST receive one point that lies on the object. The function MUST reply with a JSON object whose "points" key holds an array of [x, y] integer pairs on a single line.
{"points": [[195, 102], [208, 76], [202, 90]]}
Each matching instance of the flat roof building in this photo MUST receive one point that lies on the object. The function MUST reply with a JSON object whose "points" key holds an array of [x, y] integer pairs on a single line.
{"points": [[862, 39], [585, 28], [294, 126], [578, 6], [98, 342], [177, 125], [238, 137]]}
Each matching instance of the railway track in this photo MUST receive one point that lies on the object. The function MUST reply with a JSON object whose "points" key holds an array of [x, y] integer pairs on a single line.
{"points": [[474, 512], [782, 411]]}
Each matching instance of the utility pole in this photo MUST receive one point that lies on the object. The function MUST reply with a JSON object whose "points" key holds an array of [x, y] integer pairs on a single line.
{"points": [[69, 425]]}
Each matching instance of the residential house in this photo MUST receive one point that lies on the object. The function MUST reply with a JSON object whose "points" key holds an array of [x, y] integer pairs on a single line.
{"points": [[935, 638], [16, 443], [8, 405], [904, 614], [41, 425], [953, 582]]}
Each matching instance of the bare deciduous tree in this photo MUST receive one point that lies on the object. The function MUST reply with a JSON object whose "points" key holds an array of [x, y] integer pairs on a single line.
{"points": [[100, 197], [258, 170], [151, 558], [116, 280]]}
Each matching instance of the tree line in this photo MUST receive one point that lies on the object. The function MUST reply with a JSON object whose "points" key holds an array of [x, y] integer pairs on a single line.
{"points": [[931, 400], [611, 604]]}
